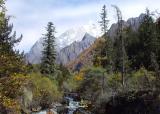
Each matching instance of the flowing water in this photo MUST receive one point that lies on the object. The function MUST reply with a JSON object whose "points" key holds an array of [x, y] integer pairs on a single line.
{"points": [[42, 112], [72, 106]]}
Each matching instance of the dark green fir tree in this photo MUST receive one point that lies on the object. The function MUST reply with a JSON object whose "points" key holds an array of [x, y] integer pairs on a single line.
{"points": [[49, 52]]}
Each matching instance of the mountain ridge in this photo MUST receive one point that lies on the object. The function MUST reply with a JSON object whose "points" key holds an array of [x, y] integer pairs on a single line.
{"points": [[69, 39], [70, 52], [64, 40]]}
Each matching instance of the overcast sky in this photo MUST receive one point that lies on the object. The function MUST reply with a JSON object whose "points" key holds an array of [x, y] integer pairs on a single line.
{"points": [[31, 16]]}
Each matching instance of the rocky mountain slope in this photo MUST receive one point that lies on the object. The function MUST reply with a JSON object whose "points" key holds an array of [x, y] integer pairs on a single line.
{"points": [[86, 57], [72, 51], [132, 22]]}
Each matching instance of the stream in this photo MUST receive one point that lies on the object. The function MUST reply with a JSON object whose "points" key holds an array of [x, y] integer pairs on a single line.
{"points": [[72, 106]]}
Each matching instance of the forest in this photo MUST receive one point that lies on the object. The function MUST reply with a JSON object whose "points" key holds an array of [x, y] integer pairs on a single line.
{"points": [[123, 76]]}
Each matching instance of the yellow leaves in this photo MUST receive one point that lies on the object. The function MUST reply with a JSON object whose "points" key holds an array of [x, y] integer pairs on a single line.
{"points": [[80, 75], [10, 104], [12, 86], [10, 64]]}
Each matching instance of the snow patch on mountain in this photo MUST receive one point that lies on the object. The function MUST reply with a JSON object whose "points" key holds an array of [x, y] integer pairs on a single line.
{"points": [[76, 34]]}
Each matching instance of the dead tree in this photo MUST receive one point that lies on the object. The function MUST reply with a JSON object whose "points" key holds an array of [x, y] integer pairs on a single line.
{"points": [[119, 35]]}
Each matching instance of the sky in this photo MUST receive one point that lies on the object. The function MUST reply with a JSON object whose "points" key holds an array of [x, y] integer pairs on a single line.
{"points": [[30, 17]]}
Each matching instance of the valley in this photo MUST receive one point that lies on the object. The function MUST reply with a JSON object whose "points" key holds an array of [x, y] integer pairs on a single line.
{"points": [[96, 68]]}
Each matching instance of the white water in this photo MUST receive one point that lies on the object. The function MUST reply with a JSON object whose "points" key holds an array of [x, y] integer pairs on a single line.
{"points": [[42, 112], [73, 105]]}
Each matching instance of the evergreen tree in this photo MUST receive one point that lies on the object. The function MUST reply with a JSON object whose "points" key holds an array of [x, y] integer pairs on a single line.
{"points": [[148, 42], [11, 61], [107, 51], [12, 67], [49, 53], [131, 39], [104, 21], [158, 40], [143, 46]]}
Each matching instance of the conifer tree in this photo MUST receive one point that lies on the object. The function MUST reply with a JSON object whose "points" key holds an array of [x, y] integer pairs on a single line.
{"points": [[158, 40], [148, 42], [11, 61], [49, 52], [107, 52], [104, 21], [12, 67]]}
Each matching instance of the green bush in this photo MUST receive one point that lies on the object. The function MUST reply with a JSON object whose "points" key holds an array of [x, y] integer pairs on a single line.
{"points": [[91, 84], [114, 82], [141, 80], [45, 91], [71, 84]]}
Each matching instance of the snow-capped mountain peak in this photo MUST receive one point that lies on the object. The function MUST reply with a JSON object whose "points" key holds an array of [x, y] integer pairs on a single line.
{"points": [[76, 34], [93, 29]]}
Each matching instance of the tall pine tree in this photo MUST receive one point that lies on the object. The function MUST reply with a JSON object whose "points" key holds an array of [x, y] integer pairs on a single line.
{"points": [[11, 61], [104, 21], [106, 53], [49, 52]]}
